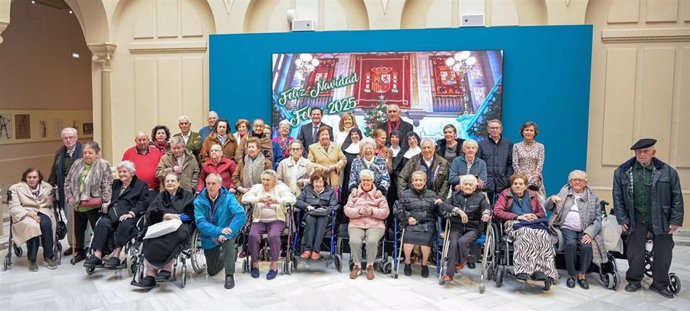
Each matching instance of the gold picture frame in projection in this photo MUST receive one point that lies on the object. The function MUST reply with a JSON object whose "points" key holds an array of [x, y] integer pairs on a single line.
{"points": [[28, 126]]}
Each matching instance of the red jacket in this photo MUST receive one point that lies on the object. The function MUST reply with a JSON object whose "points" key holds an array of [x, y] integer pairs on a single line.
{"points": [[504, 202], [225, 167]]}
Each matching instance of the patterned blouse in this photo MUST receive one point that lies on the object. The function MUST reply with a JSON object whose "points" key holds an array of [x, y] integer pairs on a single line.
{"points": [[528, 159]]}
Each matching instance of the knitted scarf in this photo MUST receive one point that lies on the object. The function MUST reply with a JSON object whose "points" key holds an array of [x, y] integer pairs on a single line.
{"points": [[251, 172], [588, 213]]}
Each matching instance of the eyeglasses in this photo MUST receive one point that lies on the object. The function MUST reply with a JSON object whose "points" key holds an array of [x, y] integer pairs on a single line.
{"points": [[296, 149], [578, 180], [494, 127]]}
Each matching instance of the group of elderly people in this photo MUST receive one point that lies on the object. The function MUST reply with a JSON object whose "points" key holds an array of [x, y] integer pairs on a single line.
{"points": [[393, 174]]}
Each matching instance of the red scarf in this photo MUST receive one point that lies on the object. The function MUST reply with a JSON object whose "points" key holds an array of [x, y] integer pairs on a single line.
{"points": [[161, 145]]}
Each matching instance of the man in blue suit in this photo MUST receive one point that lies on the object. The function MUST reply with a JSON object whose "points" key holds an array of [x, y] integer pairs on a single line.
{"points": [[219, 219]]}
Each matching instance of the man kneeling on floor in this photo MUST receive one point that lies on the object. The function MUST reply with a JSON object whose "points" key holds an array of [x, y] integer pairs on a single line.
{"points": [[219, 218]]}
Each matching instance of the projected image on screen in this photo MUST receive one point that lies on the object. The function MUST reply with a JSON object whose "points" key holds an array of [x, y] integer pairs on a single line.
{"points": [[432, 89]]}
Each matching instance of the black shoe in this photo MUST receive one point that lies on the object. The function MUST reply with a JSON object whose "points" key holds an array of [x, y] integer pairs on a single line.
{"points": [[663, 292], [92, 261], [78, 257], [583, 283], [408, 269], [632, 287], [68, 252], [255, 273], [471, 265], [570, 282], [539, 276], [163, 276], [522, 276], [425, 271], [229, 281], [147, 282], [113, 263]]}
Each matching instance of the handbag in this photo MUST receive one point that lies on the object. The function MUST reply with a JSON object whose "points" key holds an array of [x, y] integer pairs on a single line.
{"points": [[114, 213], [61, 229], [91, 202], [162, 228]]}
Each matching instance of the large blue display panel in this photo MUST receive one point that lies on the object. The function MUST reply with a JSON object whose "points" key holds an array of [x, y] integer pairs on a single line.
{"points": [[546, 76]]}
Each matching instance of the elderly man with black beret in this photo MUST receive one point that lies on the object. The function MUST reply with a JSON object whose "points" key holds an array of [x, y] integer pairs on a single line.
{"points": [[647, 199]]}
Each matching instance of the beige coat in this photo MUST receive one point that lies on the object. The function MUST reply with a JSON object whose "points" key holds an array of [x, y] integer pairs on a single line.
{"points": [[190, 170], [323, 158], [289, 175], [23, 202]]}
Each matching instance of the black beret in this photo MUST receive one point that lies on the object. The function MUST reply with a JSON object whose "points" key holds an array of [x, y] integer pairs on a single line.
{"points": [[643, 143]]}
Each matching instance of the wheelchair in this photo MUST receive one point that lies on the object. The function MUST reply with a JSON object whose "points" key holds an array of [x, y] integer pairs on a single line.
{"points": [[192, 252], [503, 257], [384, 259], [330, 239], [482, 250], [130, 250], [398, 242], [608, 271], [17, 249], [286, 240]]}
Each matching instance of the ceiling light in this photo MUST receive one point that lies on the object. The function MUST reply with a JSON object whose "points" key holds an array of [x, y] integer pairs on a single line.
{"points": [[75, 55]]}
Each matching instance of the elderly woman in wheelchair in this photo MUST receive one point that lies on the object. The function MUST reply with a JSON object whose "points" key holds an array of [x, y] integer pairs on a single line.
{"points": [[534, 251], [113, 230], [577, 215], [467, 209], [173, 209], [269, 200], [317, 200]]}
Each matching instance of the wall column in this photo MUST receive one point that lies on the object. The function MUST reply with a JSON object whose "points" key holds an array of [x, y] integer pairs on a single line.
{"points": [[4, 21], [102, 55]]}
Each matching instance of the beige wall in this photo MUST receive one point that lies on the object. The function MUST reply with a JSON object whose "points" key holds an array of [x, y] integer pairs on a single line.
{"points": [[38, 73], [640, 60]]}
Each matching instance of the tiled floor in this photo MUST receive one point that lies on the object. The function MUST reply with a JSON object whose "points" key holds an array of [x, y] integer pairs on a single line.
{"points": [[316, 287]]}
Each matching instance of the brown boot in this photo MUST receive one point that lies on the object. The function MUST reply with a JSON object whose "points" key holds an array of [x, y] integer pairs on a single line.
{"points": [[370, 272], [355, 272]]}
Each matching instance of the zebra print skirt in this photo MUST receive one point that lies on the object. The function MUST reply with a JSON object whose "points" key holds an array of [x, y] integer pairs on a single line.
{"points": [[534, 250]]}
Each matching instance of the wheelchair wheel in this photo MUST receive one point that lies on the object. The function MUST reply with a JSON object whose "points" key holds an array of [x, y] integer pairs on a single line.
{"points": [[6, 263], [18, 251], [338, 263], [58, 255], [387, 267], [294, 262], [674, 283], [648, 266], [547, 284], [90, 270], [183, 276], [245, 266], [197, 255], [500, 273], [131, 265]]}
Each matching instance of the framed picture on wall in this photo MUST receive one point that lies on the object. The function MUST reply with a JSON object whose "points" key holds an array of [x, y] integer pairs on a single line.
{"points": [[5, 126], [22, 126]]}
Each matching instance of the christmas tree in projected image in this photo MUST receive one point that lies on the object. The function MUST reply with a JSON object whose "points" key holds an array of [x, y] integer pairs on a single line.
{"points": [[493, 111], [374, 116]]}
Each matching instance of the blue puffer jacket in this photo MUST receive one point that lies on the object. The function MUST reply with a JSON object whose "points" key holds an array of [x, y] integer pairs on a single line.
{"points": [[227, 213]]}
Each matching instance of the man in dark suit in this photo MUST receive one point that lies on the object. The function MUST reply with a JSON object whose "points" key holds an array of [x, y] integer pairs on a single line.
{"points": [[396, 123], [64, 157], [307, 132]]}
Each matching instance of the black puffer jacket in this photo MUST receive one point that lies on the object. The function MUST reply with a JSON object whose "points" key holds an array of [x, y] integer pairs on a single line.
{"points": [[474, 206], [419, 205]]}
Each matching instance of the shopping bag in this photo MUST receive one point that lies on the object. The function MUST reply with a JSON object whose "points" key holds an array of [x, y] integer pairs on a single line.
{"points": [[612, 234]]}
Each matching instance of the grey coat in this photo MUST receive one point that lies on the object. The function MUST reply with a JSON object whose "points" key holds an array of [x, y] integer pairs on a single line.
{"points": [[459, 168], [667, 199]]}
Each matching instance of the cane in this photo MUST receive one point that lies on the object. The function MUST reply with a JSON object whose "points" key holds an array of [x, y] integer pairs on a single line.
{"points": [[74, 242]]}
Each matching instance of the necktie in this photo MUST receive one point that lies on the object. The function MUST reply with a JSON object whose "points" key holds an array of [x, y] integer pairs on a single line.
{"points": [[313, 136]]}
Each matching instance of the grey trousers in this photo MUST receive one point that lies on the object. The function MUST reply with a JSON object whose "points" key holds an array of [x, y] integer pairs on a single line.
{"points": [[357, 235], [222, 256]]}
